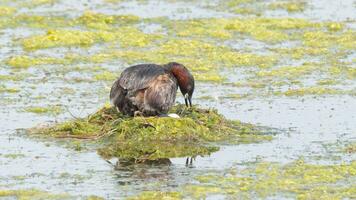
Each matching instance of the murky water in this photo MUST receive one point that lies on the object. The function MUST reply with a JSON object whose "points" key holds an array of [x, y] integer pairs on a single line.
{"points": [[306, 123]]}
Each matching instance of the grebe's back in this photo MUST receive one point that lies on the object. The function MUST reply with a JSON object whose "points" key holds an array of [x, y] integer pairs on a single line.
{"points": [[147, 88]]}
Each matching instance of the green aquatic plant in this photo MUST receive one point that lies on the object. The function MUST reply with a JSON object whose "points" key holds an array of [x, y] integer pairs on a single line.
{"points": [[313, 90], [26, 61], [328, 82], [101, 21], [16, 76], [4, 11], [261, 180], [153, 138], [290, 6], [148, 195], [302, 52], [270, 30], [335, 26], [105, 76], [34, 3], [13, 156], [44, 110], [34, 194], [126, 36], [345, 40], [290, 71], [31, 194], [4, 89], [295, 180]]}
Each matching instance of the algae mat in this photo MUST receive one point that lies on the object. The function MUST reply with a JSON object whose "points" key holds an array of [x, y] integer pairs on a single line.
{"points": [[263, 180], [196, 133]]}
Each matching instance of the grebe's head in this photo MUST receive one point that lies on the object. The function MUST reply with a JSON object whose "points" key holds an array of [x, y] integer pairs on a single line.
{"points": [[185, 80]]}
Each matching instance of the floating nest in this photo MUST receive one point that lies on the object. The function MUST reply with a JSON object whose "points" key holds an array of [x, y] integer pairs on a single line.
{"points": [[197, 132]]}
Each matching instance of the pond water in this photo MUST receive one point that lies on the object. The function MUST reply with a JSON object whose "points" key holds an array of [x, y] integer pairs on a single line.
{"points": [[312, 107]]}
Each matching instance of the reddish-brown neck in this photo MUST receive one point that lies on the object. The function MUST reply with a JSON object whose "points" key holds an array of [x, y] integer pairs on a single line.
{"points": [[181, 75]]}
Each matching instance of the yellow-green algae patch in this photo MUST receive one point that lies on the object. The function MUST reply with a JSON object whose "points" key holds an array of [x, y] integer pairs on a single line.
{"points": [[345, 40], [34, 194], [270, 30], [263, 180], [17, 76], [105, 76], [314, 90], [44, 110], [4, 11], [289, 71], [126, 36], [290, 6], [148, 195], [102, 21], [201, 56], [152, 138], [295, 180], [4, 89], [31, 194], [35, 3], [26, 61], [301, 52]]}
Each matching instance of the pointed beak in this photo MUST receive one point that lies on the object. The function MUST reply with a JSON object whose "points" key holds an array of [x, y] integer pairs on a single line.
{"points": [[188, 100]]}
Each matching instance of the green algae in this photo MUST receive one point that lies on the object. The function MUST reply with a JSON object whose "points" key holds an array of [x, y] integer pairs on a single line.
{"points": [[44, 110], [103, 21], [335, 26], [201, 56], [295, 180], [5, 11], [270, 30], [345, 40], [35, 21], [13, 156], [194, 43], [153, 138], [313, 90], [126, 36], [242, 7], [4, 89], [213, 28], [56, 38], [148, 195], [290, 6], [88, 19], [35, 3], [34, 194], [289, 71], [105, 76], [26, 61], [14, 76], [327, 82], [302, 52]]}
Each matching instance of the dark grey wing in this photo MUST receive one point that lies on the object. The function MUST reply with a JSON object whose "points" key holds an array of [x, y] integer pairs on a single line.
{"points": [[161, 95], [127, 91], [120, 99], [139, 76], [116, 92]]}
